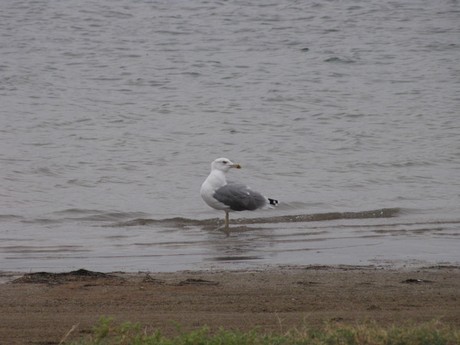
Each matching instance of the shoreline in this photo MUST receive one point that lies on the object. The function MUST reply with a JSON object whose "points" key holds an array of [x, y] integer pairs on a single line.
{"points": [[7, 276], [42, 307]]}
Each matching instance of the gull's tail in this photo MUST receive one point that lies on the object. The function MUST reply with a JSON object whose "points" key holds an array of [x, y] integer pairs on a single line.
{"points": [[273, 202]]}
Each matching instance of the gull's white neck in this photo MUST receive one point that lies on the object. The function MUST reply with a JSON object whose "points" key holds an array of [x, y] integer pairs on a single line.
{"points": [[216, 179]]}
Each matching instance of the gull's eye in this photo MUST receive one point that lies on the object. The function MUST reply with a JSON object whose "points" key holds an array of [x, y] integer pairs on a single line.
{"points": [[225, 162]]}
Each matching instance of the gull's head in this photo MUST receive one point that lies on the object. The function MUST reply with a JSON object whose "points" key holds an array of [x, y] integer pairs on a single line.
{"points": [[224, 164]]}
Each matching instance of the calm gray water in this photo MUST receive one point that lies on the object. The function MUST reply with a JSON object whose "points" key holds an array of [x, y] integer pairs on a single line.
{"points": [[111, 112]]}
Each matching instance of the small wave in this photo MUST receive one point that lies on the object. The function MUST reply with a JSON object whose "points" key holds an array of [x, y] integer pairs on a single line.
{"points": [[8, 217], [182, 222], [77, 214], [176, 221], [381, 213], [337, 59]]}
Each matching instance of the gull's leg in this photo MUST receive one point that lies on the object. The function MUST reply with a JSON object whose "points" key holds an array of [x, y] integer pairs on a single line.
{"points": [[226, 220], [225, 227]]}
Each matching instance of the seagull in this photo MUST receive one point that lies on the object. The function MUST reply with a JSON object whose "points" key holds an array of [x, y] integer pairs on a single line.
{"points": [[230, 196]]}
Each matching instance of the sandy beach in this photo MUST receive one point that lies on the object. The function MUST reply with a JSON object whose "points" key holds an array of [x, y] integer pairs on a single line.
{"points": [[40, 308]]}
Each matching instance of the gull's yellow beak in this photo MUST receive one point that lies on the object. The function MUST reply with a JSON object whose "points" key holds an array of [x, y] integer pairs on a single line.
{"points": [[236, 166]]}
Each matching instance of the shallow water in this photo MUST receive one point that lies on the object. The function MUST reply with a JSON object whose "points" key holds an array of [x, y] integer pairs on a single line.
{"points": [[112, 111]]}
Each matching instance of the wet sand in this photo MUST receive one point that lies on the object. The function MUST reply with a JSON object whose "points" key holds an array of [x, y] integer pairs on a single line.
{"points": [[42, 308]]}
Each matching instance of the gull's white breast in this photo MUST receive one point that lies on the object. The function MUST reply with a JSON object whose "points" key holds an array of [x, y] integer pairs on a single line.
{"points": [[215, 180]]}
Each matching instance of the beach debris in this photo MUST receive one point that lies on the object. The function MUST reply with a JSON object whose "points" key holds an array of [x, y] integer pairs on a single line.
{"points": [[194, 281], [416, 281], [59, 278], [149, 279]]}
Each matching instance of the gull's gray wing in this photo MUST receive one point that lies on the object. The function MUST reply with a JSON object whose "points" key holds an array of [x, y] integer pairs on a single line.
{"points": [[240, 197]]}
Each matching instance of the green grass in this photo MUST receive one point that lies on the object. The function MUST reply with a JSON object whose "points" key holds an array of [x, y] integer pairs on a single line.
{"points": [[107, 332]]}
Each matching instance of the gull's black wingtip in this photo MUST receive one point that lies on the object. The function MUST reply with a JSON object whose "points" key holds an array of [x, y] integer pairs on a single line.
{"points": [[273, 202]]}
